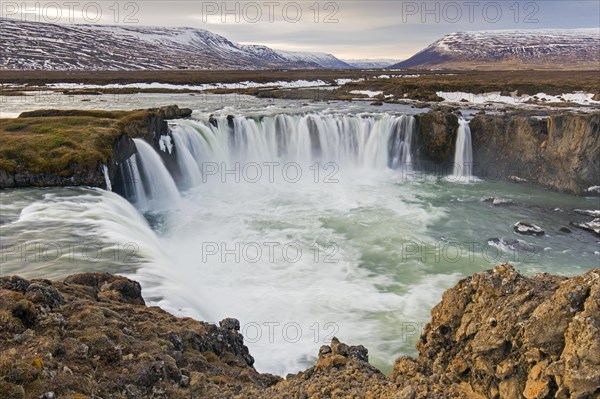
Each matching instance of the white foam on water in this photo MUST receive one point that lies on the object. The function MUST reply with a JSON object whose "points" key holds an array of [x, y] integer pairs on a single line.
{"points": [[290, 303]]}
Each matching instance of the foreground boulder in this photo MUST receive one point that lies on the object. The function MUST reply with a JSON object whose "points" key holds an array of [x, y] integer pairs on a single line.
{"points": [[497, 334], [93, 335]]}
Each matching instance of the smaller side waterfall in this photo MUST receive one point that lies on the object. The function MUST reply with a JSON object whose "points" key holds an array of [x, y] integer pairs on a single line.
{"points": [[463, 156], [106, 178], [132, 182], [159, 186]]}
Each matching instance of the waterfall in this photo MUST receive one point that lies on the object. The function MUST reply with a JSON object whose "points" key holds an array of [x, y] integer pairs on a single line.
{"points": [[188, 150], [353, 141], [463, 156], [133, 186], [106, 178], [159, 186], [373, 142], [401, 145]]}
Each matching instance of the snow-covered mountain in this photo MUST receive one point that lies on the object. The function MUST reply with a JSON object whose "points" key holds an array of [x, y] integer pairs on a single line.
{"points": [[539, 48], [368, 63], [33, 45], [323, 59]]}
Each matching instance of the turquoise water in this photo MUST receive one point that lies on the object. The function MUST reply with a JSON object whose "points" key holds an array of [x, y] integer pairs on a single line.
{"points": [[387, 251]]}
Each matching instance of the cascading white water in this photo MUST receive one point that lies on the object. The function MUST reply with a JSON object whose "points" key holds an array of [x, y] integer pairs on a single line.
{"points": [[106, 178], [349, 140], [463, 156], [188, 151], [401, 145], [159, 186], [133, 186]]}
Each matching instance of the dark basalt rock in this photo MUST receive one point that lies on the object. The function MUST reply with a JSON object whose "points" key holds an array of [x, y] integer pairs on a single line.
{"points": [[14, 283], [44, 294], [230, 324], [527, 228], [213, 121], [561, 152], [437, 131], [108, 285], [592, 226]]}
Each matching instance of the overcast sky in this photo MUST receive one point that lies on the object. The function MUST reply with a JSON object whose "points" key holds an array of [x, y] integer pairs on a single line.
{"points": [[347, 29]]}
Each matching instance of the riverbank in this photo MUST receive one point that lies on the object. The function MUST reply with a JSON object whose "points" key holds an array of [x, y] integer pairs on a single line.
{"points": [[416, 87], [495, 334], [49, 148]]}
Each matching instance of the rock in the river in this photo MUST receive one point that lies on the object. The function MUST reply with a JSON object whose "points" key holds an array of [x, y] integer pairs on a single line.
{"points": [[517, 179], [498, 201], [592, 226], [514, 245], [593, 189], [595, 213], [527, 228]]}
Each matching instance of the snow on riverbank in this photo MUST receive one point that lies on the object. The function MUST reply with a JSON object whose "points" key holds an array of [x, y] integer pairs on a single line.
{"points": [[200, 87], [495, 97]]}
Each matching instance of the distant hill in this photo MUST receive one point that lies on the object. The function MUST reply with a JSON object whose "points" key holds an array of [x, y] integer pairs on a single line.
{"points": [[322, 59], [36, 46], [368, 63], [507, 49]]}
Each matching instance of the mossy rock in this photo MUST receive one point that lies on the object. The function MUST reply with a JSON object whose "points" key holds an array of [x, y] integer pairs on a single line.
{"points": [[68, 147], [11, 391]]}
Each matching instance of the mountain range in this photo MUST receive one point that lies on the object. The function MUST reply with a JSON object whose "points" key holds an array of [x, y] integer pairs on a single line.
{"points": [[33, 46], [42, 46], [508, 49]]}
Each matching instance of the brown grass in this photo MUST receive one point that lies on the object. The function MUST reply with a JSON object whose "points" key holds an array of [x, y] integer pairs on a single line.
{"points": [[51, 142]]}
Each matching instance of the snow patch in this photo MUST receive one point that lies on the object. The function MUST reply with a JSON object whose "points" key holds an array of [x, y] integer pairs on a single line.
{"points": [[201, 87], [580, 98], [369, 93]]}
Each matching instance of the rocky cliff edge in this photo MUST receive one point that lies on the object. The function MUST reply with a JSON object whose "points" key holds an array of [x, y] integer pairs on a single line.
{"points": [[497, 334]]}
